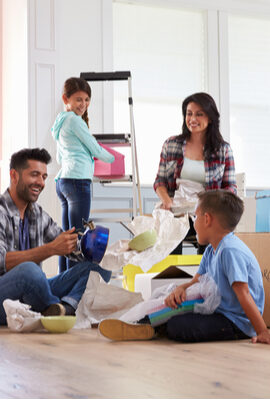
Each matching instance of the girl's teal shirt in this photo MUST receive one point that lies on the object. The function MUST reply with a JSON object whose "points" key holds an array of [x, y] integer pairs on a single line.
{"points": [[76, 147]]}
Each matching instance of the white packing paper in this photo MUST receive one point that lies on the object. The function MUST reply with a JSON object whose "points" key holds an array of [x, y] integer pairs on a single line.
{"points": [[20, 318], [170, 232], [101, 300], [185, 197]]}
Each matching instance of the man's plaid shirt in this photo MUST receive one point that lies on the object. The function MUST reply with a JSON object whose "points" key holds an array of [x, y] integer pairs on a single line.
{"points": [[42, 228], [219, 169]]}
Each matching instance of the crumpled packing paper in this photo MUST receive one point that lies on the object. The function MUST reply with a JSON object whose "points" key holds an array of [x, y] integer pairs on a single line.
{"points": [[185, 197], [20, 318], [170, 232], [101, 300]]}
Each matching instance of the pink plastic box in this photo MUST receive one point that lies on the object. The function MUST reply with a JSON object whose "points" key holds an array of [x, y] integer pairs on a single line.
{"points": [[117, 168]]}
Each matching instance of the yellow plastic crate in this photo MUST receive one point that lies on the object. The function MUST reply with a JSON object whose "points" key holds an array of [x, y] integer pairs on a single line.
{"points": [[130, 270]]}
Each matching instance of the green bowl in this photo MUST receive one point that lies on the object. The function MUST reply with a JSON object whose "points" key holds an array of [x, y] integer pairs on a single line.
{"points": [[58, 323], [143, 241]]}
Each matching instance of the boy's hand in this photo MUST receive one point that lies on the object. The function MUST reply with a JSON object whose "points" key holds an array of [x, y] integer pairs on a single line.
{"points": [[263, 337], [176, 297]]}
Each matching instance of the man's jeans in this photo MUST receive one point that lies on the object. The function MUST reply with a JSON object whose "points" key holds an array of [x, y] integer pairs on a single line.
{"points": [[75, 197], [28, 283]]}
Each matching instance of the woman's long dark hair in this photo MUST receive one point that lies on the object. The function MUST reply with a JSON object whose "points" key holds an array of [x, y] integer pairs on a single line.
{"points": [[214, 138], [73, 85]]}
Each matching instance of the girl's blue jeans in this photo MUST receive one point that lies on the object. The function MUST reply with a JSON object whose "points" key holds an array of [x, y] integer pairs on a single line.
{"points": [[75, 197], [28, 283]]}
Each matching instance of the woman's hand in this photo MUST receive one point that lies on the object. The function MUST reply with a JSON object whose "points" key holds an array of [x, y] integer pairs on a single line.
{"points": [[176, 297], [162, 193], [167, 204]]}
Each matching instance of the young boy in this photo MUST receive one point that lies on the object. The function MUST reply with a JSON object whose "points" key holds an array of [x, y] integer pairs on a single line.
{"points": [[236, 272]]}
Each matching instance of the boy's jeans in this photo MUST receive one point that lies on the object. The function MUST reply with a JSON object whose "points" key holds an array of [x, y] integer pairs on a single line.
{"points": [[202, 328], [28, 283]]}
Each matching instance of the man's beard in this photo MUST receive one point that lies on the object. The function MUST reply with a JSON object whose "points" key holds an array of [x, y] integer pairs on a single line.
{"points": [[23, 192]]}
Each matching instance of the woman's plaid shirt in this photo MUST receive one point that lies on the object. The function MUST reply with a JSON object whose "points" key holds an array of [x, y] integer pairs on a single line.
{"points": [[219, 169]]}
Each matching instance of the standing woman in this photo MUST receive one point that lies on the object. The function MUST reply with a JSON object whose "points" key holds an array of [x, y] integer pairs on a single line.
{"points": [[198, 154], [76, 149]]}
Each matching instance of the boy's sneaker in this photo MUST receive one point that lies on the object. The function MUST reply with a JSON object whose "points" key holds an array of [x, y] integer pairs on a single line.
{"points": [[54, 309], [115, 329]]}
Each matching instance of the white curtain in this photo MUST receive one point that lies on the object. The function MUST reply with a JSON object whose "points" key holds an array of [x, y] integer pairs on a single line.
{"points": [[249, 71], [164, 49]]}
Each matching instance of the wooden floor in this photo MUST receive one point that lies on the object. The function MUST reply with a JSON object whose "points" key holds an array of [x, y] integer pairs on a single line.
{"points": [[82, 364]]}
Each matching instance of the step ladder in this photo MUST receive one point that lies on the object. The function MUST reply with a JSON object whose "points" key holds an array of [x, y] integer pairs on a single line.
{"points": [[119, 140]]}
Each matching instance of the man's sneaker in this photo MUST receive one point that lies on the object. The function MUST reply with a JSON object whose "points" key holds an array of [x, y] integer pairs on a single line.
{"points": [[115, 329], [69, 310], [54, 309]]}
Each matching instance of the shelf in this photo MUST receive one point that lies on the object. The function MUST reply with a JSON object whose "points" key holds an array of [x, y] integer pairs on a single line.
{"points": [[122, 219], [119, 140], [114, 139], [105, 76], [110, 179]]}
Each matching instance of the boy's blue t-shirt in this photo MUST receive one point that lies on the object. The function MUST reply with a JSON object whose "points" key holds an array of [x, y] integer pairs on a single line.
{"points": [[233, 262]]}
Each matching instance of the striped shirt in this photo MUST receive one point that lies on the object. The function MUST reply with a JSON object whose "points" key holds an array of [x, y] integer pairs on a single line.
{"points": [[42, 228], [219, 169]]}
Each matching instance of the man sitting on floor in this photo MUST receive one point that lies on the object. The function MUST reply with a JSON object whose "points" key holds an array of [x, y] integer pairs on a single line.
{"points": [[28, 236], [235, 271]]}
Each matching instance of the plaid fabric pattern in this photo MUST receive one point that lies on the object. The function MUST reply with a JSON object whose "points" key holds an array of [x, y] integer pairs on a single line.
{"points": [[42, 228], [219, 169]]}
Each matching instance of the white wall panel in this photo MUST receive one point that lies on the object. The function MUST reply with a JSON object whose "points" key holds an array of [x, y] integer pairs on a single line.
{"points": [[44, 25], [45, 104], [43, 73]]}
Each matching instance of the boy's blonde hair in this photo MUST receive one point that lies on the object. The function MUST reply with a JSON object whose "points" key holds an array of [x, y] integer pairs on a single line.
{"points": [[224, 204]]}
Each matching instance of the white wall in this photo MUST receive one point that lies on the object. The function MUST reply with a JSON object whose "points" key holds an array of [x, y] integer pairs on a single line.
{"points": [[14, 82]]}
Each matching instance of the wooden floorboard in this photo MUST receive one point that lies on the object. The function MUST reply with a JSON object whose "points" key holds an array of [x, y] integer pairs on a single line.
{"points": [[82, 364]]}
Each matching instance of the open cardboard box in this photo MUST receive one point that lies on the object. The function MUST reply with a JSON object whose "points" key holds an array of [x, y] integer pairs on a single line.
{"points": [[172, 274], [259, 244], [146, 283]]}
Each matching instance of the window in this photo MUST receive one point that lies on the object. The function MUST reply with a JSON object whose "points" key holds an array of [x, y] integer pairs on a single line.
{"points": [[249, 68], [164, 50]]}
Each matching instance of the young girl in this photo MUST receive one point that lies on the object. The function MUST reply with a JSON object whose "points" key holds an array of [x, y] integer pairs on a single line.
{"points": [[76, 149]]}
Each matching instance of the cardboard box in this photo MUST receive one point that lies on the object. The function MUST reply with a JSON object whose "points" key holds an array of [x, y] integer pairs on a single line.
{"points": [[146, 283], [259, 244], [117, 168], [248, 221], [172, 274]]}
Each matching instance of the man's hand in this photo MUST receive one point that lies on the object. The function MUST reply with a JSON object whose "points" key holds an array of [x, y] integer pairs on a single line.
{"points": [[176, 297], [65, 243], [263, 337]]}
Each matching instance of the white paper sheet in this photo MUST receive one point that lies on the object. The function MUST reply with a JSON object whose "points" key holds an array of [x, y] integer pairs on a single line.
{"points": [[170, 232], [20, 318], [101, 300]]}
